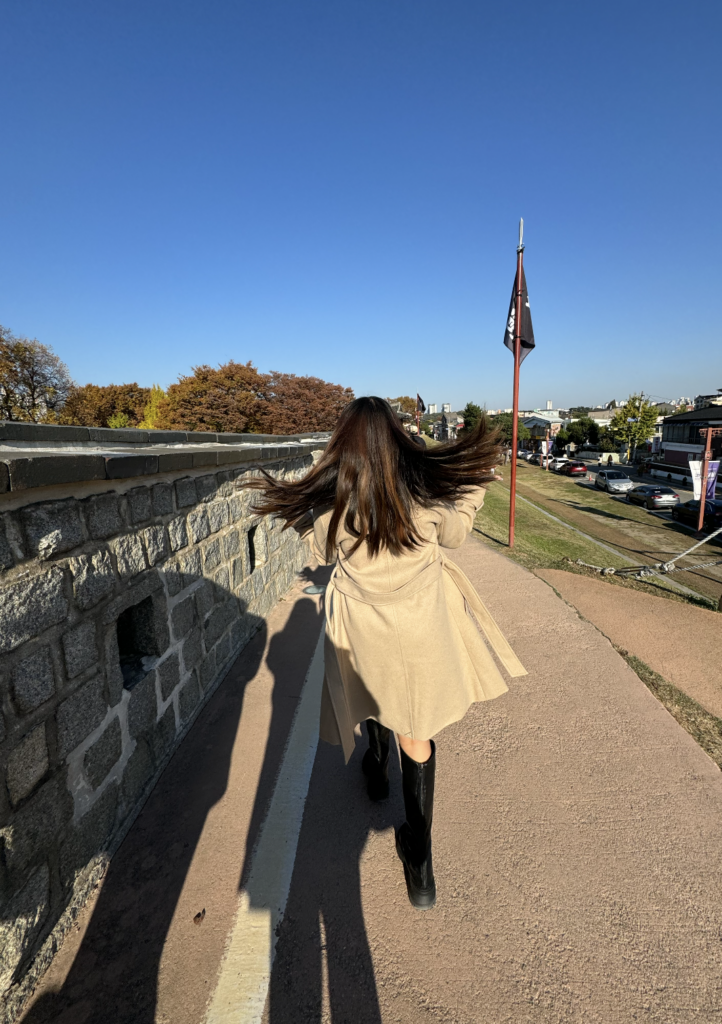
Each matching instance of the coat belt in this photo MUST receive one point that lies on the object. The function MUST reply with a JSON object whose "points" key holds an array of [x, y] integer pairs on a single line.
{"points": [[342, 582]]}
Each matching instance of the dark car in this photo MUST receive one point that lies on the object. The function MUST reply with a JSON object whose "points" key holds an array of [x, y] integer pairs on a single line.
{"points": [[574, 469], [688, 513], [653, 496]]}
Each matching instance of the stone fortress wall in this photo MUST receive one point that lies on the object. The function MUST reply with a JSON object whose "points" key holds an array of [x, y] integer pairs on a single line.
{"points": [[131, 575]]}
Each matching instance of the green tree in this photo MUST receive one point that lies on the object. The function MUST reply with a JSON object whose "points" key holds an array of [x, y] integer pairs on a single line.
{"points": [[607, 441], [471, 413], [561, 440], [504, 421], [634, 422], [583, 431]]}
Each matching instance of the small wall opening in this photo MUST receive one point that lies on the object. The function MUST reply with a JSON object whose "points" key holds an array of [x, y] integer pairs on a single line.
{"points": [[137, 643], [252, 548]]}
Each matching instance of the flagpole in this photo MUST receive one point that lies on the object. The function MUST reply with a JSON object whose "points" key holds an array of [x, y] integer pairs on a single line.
{"points": [[517, 362]]}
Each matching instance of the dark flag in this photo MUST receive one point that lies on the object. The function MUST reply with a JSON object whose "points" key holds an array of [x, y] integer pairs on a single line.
{"points": [[527, 331], [420, 407]]}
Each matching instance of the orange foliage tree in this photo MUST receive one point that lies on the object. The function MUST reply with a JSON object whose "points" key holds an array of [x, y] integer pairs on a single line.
{"points": [[294, 404], [112, 405], [223, 400]]}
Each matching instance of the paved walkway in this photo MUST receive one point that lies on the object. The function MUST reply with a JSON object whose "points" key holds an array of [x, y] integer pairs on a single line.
{"points": [[578, 848], [679, 641]]}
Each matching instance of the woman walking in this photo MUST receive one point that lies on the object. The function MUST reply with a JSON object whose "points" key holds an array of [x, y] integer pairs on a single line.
{"points": [[403, 648]]}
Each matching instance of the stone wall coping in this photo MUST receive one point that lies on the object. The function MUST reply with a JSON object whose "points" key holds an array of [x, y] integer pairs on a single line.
{"points": [[50, 434], [25, 466]]}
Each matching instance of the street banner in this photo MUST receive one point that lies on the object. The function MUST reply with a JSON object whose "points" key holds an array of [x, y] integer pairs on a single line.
{"points": [[527, 331], [544, 446], [695, 469]]}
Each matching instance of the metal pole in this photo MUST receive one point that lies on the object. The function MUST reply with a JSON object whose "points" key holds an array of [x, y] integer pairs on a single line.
{"points": [[705, 470], [515, 402]]}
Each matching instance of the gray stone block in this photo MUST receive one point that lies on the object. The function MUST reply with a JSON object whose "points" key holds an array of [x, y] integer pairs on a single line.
{"points": [[207, 487], [185, 492], [6, 555], [162, 499], [177, 533], [198, 524], [89, 836], [149, 582], [237, 508], [163, 736], [27, 763], [208, 670], [21, 923], [218, 621], [80, 714], [103, 754], [33, 681], [53, 528], [237, 573], [47, 470], [173, 575], [156, 544], [93, 578], [222, 580], [173, 462], [30, 607], [12, 430], [129, 555], [218, 515], [139, 504], [168, 676], [102, 516], [4, 478], [120, 467], [35, 827], [118, 435], [192, 652], [201, 437], [189, 698], [80, 649], [142, 706], [191, 565], [204, 457], [138, 773], [211, 556], [183, 618], [231, 545], [167, 436], [223, 650], [204, 600]]}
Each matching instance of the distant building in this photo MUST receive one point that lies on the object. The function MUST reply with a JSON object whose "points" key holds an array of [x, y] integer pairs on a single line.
{"points": [[539, 423], [432, 409], [681, 440], [704, 401], [550, 404], [446, 407]]}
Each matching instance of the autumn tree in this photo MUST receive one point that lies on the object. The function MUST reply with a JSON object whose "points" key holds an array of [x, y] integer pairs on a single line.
{"points": [[112, 405], [222, 400], [405, 402], [34, 382], [295, 404]]}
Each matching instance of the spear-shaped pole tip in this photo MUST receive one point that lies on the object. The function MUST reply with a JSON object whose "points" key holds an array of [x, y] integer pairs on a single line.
{"points": [[521, 231]]}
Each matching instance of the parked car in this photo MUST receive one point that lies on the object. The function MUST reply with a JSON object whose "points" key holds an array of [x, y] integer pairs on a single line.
{"points": [[574, 468], [613, 481], [558, 463], [688, 512], [653, 496]]}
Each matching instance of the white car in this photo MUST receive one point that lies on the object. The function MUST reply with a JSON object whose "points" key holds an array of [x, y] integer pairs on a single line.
{"points": [[613, 481], [557, 463]]}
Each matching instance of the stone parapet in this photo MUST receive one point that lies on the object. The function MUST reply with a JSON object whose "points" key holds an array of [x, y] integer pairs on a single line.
{"points": [[123, 601]]}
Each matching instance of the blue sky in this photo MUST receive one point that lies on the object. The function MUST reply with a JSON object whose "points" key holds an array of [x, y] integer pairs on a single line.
{"points": [[332, 187]]}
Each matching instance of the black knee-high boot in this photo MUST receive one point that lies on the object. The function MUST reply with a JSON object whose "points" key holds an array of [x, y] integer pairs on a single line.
{"points": [[413, 839], [375, 763]]}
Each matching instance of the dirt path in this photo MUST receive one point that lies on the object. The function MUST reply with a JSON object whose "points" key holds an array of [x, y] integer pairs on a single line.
{"points": [[680, 642]]}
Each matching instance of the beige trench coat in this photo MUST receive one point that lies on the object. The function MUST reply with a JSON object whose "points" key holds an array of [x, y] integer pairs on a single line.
{"points": [[404, 633]]}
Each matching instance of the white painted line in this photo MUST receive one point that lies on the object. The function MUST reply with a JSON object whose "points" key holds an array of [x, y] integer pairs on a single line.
{"points": [[245, 973]]}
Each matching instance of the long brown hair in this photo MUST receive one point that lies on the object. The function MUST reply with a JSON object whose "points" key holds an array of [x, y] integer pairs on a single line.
{"points": [[376, 474]]}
